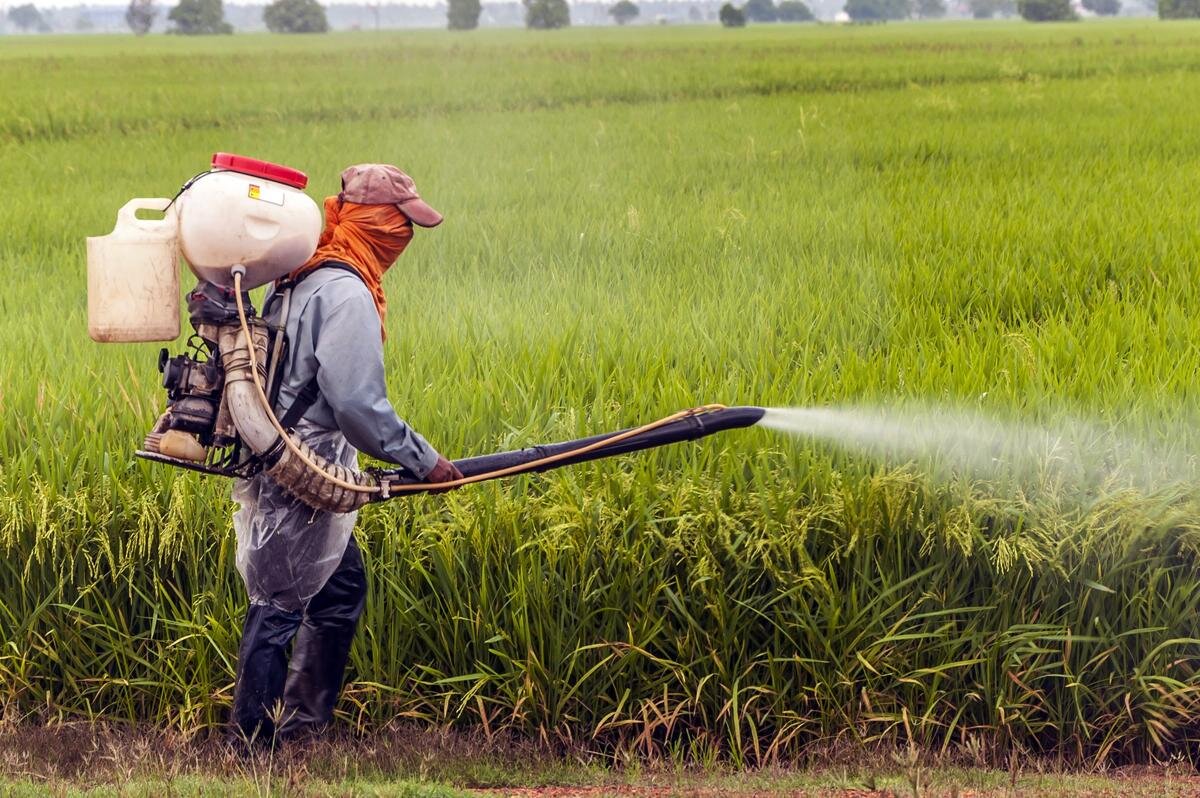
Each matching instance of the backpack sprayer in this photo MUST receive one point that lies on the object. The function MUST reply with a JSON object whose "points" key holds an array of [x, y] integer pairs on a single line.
{"points": [[241, 225]]}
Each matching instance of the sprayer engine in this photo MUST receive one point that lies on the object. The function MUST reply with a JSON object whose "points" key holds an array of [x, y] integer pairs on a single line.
{"points": [[193, 394], [196, 430]]}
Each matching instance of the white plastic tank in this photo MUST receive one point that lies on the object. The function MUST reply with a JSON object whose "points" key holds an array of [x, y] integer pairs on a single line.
{"points": [[133, 277], [248, 212]]}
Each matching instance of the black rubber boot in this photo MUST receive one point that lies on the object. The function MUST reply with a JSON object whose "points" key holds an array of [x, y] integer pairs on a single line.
{"points": [[322, 646], [261, 671]]}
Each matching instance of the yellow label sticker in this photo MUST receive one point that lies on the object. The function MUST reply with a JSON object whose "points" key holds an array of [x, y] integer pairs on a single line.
{"points": [[267, 193]]}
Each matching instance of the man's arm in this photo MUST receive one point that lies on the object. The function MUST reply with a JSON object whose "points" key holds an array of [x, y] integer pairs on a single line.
{"points": [[350, 376]]}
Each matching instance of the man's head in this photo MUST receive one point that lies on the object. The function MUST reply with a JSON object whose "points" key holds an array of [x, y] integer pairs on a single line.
{"points": [[384, 184]]}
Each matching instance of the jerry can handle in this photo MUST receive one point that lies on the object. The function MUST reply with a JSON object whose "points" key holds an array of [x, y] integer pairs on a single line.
{"points": [[127, 216]]}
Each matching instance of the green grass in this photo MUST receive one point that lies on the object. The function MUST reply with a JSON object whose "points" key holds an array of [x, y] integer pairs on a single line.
{"points": [[999, 217]]}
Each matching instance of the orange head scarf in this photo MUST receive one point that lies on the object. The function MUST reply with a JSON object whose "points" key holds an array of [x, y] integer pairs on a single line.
{"points": [[367, 238]]}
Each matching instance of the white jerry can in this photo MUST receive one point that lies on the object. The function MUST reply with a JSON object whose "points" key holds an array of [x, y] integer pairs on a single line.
{"points": [[247, 212], [133, 277]]}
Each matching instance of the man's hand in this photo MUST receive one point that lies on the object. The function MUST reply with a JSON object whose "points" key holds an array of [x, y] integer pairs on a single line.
{"points": [[444, 471]]}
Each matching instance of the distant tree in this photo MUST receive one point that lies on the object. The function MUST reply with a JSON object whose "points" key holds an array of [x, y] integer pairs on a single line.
{"points": [[731, 16], [1105, 8], [623, 11], [27, 17], [695, 14], [463, 14], [986, 9], [1179, 9], [931, 9], [546, 14], [199, 18], [760, 11], [84, 23], [794, 11], [140, 16], [1045, 10], [876, 10], [295, 16]]}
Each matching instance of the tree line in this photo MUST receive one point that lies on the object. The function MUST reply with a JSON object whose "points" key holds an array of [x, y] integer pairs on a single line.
{"points": [[207, 17], [868, 11]]}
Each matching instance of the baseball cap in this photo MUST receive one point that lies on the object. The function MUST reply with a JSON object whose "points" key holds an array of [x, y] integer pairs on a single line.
{"points": [[384, 184]]}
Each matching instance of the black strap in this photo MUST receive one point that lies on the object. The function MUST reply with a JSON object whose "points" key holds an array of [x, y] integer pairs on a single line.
{"points": [[304, 400], [329, 264]]}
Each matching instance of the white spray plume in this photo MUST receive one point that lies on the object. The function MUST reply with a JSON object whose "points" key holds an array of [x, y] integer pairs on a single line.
{"points": [[1071, 454]]}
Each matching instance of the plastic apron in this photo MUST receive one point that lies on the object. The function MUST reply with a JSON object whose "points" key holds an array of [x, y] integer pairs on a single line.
{"points": [[286, 550]]}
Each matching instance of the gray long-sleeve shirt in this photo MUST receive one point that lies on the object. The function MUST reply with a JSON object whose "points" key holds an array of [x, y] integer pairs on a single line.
{"points": [[333, 332]]}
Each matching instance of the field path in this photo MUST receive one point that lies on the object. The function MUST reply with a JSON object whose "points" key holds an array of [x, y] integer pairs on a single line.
{"points": [[1077, 787]]}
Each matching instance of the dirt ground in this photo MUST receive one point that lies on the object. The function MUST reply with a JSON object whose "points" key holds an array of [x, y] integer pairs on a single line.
{"points": [[1081, 786], [96, 760]]}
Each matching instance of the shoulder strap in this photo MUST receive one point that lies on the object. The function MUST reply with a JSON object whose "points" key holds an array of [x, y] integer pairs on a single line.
{"points": [[329, 264], [279, 343], [304, 400]]}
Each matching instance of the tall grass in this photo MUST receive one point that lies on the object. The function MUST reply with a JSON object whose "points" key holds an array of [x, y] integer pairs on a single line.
{"points": [[996, 217]]}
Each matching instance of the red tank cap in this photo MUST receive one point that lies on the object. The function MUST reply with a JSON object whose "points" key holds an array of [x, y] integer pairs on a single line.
{"points": [[256, 168]]}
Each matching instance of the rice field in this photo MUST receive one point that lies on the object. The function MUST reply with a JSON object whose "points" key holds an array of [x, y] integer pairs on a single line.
{"points": [[997, 218]]}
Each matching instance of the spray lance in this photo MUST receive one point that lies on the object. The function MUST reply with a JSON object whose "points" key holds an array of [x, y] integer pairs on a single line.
{"points": [[242, 225]]}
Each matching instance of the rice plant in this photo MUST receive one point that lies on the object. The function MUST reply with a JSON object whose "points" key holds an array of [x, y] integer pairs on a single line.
{"points": [[990, 217]]}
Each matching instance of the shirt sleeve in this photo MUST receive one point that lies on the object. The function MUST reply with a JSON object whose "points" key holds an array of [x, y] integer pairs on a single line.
{"points": [[349, 354]]}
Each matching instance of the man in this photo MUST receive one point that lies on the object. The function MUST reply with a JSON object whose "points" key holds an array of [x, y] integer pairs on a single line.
{"points": [[303, 570]]}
